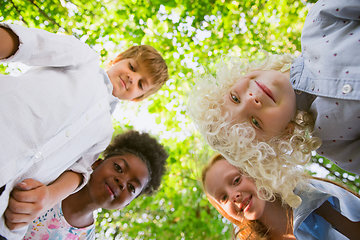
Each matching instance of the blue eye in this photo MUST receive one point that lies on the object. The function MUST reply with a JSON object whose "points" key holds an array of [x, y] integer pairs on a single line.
{"points": [[234, 98], [255, 123]]}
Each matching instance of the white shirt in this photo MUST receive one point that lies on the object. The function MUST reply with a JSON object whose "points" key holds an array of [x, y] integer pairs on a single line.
{"points": [[56, 116]]}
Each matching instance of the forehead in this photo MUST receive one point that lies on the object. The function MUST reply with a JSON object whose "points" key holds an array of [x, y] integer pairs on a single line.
{"points": [[134, 163], [217, 174]]}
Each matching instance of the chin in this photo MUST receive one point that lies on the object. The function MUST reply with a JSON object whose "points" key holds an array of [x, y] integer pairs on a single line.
{"points": [[251, 217]]}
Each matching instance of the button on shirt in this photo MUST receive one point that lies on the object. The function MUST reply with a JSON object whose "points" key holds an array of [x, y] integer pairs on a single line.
{"points": [[327, 74], [56, 116]]}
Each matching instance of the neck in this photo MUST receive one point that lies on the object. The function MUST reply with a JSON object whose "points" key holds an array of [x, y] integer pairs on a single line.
{"points": [[78, 209], [278, 227]]}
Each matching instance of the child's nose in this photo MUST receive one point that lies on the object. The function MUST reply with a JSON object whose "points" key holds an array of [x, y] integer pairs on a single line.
{"points": [[119, 182], [236, 197], [253, 100], [134, 78]]}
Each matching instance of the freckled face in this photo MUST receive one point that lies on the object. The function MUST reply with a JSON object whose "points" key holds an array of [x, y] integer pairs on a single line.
{"points": [[129, 79], [234, 193], [117, 181], [265, 99]]}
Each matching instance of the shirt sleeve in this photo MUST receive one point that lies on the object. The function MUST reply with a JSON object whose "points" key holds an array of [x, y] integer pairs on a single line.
{"points": [[38, 47], [84, 164], [341, 10], [329, 63]]}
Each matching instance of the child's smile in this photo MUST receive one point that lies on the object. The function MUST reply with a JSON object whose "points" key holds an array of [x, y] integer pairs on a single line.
{"points": [[129, 79], [112, 190], [265, 90], [236, 194], [263, 99], [118, 180]]}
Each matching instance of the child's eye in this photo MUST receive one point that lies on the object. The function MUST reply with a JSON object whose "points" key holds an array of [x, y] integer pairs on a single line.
{"points": [[117, 167], [255, 123], [131, 188], [234, 98], [131, 67], [237, 180], [141, 85], [223, 199]]}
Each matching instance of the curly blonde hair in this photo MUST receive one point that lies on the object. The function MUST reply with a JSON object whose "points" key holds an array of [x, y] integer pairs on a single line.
{"points": [[273, 164]]}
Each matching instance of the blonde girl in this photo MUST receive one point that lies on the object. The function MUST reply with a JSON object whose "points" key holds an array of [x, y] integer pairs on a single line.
{"points": [[262, 115]]}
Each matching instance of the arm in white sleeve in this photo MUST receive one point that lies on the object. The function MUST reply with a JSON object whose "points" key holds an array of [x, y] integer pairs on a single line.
{"points": [[41, 48], [84, 164]]}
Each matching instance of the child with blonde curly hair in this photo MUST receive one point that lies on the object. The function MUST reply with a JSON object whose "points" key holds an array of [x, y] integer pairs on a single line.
{"points": [[268, 116], [328, 210]]}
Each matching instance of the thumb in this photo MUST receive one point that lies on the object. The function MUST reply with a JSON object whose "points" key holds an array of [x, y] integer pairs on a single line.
{"points": [[28, 184]]}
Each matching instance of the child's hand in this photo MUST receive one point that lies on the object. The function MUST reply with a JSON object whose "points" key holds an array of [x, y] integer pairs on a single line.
{"points": [[27, 201]]}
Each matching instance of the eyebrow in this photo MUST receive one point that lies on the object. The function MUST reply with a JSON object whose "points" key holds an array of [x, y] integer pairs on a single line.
{"points": [[129, 168]]}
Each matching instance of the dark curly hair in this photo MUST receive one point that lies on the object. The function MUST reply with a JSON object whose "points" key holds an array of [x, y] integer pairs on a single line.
{"points": [[147, 149]]}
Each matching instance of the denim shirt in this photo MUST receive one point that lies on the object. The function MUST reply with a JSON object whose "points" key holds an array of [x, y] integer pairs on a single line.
{"points": [[326, 78], [308, 225]]}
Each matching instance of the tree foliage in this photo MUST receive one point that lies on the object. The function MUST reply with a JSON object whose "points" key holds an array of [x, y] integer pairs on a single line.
{"points": [[192, 36]]}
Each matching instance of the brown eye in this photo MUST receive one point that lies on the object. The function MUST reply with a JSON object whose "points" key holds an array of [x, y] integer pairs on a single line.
{"points": [[131, 67], [131, 188], [117, 168]]}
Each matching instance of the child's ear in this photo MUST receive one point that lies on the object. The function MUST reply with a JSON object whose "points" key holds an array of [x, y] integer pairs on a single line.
{"points": [[96, 163]]}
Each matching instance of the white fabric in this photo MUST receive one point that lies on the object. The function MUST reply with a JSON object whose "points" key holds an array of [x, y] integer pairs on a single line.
{"points": [[56, 116]]}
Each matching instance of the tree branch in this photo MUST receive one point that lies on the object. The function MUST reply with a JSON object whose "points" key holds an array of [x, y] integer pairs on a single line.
{"points": [[332, 172], [44, 14], [18, 11]]}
